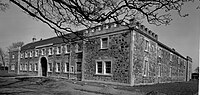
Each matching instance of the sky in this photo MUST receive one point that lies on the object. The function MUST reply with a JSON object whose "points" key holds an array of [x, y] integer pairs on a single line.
{"points": [[182, 33]]}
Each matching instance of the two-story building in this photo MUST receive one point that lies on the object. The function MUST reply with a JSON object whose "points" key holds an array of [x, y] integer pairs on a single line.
{"points": [[111, 53]]}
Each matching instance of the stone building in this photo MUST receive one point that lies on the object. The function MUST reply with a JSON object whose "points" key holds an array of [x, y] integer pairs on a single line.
{"points": [[112, 53]]}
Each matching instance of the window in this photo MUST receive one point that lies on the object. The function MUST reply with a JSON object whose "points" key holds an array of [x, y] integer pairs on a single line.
{"points": [[13, 56], [20, 68], [107, 26], [67, 48], [36, 52], [66, 67], [36, 66], [103, 67], [21, 55], [50, 67], [30, 67], [115, 25], [78, 66], [57, 67], [171, 56], [160, 52], [104, 43], [43, 51], [78, 47], [13, 67], [25, 67], [31, 53], [26, 54], [99, 28], [145, 68], [51, 51], [147, 45], [59, 50]]}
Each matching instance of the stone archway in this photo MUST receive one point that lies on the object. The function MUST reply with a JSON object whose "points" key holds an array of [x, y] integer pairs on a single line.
{"points": [[43, 62]]}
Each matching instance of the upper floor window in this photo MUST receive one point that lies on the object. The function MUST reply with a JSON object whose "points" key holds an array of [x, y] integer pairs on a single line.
{"points": [[50, 51], [146, 45], [31, 53], [59, 50], [159, 52], [43, 51], [107, 26], [21, 55], [36, 67], [103, 67], [104, 43], [13, 56], [36, 52], [26, 54], [171, 56], [67, 48]]}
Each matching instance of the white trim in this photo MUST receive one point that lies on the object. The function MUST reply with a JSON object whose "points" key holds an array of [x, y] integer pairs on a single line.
{"points": [[48, 67], [43, 51], [101, 47], [66, 48], [50, 51], [57, 48], [36, 52], [103, 67], [57, 67]]}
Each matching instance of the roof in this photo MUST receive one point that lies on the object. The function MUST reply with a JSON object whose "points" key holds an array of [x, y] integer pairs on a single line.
{"points": [[53, 40]]}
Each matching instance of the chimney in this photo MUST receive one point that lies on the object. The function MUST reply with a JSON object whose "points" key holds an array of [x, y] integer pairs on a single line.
{"points": [[33, 39]]}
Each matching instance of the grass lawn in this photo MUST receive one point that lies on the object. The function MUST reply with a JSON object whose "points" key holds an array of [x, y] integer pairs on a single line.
{"points": [[177, 88]]}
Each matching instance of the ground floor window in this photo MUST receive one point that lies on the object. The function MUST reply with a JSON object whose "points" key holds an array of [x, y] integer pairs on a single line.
{"points": [[20, 67], [13, 67], [78, 66], [145, 67], [57, 67], [103, 67], [25, 67], [72, 69], [159, 69], [30, 67], [66, 67], [50, 67], [36, 66]]}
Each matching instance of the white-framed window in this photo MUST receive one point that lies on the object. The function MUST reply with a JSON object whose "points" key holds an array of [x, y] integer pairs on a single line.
{"points": [[99, 28], [36, 66], [104, 67], [43, 51], [30, 67], [21, 55], [146, 45], [145, 67], [50, 51], [36, 53], [20, 67], [58, 67], [13, 67], [78, 66], [115, 25], [78, 47], [160, 52], [59, 50], [107, 26], [104, 43], [31, 53], [67, 48], [13, 56], [66, 67], [50, 67], [25, 67], [92, 30], [171, 56], [26, 54]]}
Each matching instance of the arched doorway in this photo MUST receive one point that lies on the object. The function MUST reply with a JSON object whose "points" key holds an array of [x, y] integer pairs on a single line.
{"points": [[43, 62]]}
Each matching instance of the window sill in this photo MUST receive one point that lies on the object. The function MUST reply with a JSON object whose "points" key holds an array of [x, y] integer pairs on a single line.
{"points": [[104, 48], [103, 74]]}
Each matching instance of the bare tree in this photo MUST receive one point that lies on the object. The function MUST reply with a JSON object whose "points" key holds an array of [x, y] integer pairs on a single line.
{"points": [[3, 6], [2, 57], [63, 15], [15, 45]]}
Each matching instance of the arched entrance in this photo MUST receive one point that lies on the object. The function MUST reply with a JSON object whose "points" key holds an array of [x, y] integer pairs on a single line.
{"points": [[43, 62]]}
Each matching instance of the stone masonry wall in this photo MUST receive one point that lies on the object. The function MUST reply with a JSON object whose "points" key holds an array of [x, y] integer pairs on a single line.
{"points": [[118, 51]]}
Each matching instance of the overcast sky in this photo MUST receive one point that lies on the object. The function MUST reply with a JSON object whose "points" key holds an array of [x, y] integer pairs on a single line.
{"points": [[182, 34]]}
